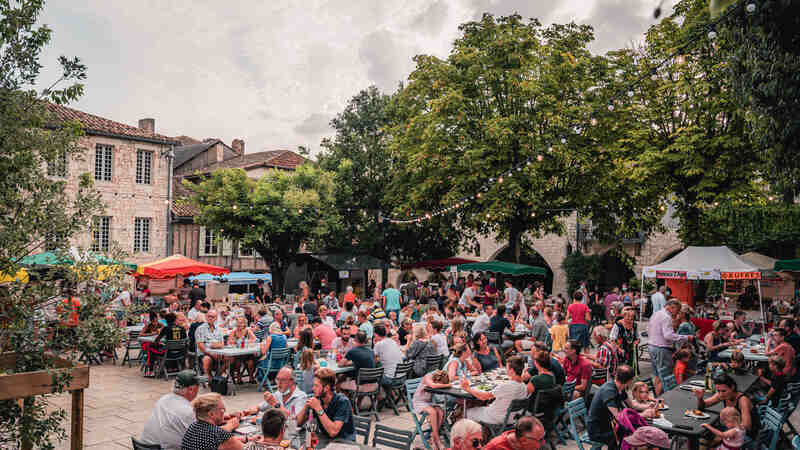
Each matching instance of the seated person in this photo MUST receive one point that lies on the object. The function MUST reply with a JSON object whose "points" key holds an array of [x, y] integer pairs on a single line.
{"points": [[610, 399], [503, 394], [344, 343], [213, 429], [681, 365], [422, 402], [173, 414], [323, 332], [360, 357], [727, 394], [555, 366], [239, 337], [288, 398], [302, 324], [499, 324], [331, 411], [577, 368], [209, 336], [733, 436], [776, 379], [641, 400], [273, 426], [488, 358], [528, 434], [736, 365], [278, 317]]}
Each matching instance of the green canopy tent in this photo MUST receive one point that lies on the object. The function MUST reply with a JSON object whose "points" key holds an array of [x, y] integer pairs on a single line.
{"points": [[46, 259], [503, 267], [787, 265]]}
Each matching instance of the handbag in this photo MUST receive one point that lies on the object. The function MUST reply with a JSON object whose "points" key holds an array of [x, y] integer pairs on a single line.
{"points": [[219, 385]]}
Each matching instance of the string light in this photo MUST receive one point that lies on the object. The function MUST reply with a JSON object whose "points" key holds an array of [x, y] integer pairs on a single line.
{"points": [[751, 7]]}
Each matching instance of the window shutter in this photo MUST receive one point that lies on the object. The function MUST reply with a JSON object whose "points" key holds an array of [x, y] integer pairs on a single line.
{"points": [[227, 247], [201, 245]]}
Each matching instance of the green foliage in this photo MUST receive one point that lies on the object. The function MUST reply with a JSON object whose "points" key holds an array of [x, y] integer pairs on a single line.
{"points": [[363, 169], [508, 91], [273, 215], [773, 229], [691, 139], [582, 267], [35, 215]]}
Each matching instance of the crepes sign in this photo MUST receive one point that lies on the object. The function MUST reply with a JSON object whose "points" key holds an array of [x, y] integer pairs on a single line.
{"points": [[671, 274], [741, 275]]}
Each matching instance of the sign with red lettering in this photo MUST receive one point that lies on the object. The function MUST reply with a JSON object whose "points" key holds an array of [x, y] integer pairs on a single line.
{"points": [[672, 274], [741, 275]]}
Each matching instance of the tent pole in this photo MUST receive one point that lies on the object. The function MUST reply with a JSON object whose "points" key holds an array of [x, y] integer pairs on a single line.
{"points": [[761, 306], [641, 308]]}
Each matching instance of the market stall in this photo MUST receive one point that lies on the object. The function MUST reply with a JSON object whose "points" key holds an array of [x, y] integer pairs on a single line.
{"points": [[167, 273], [705, 263]]}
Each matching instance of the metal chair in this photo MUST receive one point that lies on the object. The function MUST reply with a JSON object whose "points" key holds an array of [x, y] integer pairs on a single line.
{"points": [[669, 382], [174, 351], [395, 390], [567, 390], [140, 446], [392, 438], [543, 407], [599, 375], [132, 344], [577, 410], [271, 365], [517, 407], [433, 363], [423, 433], [768, 435], [493, 337], [366, 377], [363, 426]]}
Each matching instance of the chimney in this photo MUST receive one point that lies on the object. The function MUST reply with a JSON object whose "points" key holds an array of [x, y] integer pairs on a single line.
{"points": [[238, 146], [148, 125], [219, 150]]}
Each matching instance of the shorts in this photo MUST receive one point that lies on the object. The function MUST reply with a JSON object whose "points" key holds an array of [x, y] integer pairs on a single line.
{"points": [[661, 359], [580, 333]]}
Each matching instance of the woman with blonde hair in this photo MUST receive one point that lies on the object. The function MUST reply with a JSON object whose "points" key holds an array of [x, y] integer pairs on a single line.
{"points": [[422, 402]]}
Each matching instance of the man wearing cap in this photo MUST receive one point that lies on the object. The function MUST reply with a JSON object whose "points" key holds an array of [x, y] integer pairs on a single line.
{"points": [[172, 413]]}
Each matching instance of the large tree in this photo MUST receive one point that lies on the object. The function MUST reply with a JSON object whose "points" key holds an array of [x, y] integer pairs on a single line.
{"points": [[690, 136], [363, 168], [275, 215], [528, 104], [37, 214]]}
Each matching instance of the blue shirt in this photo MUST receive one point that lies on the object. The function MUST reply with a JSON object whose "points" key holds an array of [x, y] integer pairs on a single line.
{"points": [[392, 299], [338, 410]]}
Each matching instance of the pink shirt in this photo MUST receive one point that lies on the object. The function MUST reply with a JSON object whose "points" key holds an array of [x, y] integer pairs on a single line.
{"points": [[325, 334], [577, 313]]}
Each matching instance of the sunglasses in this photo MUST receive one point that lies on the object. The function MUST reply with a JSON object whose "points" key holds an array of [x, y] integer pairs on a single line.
{"points": [[476, 443]]}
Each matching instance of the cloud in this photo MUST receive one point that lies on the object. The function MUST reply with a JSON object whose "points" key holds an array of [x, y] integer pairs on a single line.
{"points": [[275, 72]]}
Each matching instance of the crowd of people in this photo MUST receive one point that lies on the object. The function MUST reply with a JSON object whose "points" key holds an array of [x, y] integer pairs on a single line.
{"points": [[541, 341]]}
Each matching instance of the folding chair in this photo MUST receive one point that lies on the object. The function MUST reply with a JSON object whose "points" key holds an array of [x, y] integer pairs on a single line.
{"points": [[493, 337], [433, 363], [174, 351], [392, 438], [366, 377], [395, 390], [544, 410], [132, 344], [363, 426], [770, 432], [669, 383], [424, 434], [271, 365], [577, 410], [515, 409], [567, 390]]}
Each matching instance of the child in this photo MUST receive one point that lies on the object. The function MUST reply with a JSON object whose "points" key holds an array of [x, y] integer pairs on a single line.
{"points": [[422, 402], [681, 360], [642, 401], [733, 437], [308, 365], [777, 380], [736, 365], [559, 331]]}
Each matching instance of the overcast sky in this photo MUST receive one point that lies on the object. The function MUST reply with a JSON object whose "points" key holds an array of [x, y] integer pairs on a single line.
{"points": [[274, 72]]}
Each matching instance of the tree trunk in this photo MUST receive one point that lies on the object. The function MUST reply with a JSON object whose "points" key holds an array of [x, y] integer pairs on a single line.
{"points": [[278, 271], [515, 243]]}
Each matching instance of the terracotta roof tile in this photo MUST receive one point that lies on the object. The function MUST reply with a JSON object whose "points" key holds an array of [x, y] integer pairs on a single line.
{"points": [[283, 159], [98, 125]]}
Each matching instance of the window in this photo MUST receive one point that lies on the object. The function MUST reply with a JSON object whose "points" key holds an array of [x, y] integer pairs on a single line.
{"points": [[101, 233], [209, 242], [246, 252], [58, 168], [144, 166], [103, 162], [141, 234]]}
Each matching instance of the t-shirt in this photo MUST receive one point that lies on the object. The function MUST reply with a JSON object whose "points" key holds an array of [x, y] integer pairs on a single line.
{"points": [[440, 342], [343, 347], [498, 324], [325, 334], [559, 333], [121, 301], [577, 312], [501, 442], [172, 416], [402, 334], [599, 418], [543, 382], [578, 371], [192, 314], [338, 410], [392, 299], [171, 333], [204, 436], [390, 355], [466, 296], [310, 309], [481, 324], [680, 370], [205, 335], [362, 358], [511, 294], [504, 394], [377, 314], [555, 367]]}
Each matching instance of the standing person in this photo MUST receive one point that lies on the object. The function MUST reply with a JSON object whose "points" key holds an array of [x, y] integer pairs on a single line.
{"points": [[661, 341], [559, 331], [197, 294], [173, 414], [467, 299], [213, 429], [659, 299], [511, 295], [578, 316], [627, 330], [606, 405], [491, 293], [258, 293], [608, 302], [391, 299], [120, 304]]}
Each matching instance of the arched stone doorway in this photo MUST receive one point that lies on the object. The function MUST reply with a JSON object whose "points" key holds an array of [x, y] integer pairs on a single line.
{"points": [[614, 271], [531, 257]]}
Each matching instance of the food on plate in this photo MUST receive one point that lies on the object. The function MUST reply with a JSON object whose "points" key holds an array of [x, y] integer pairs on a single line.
{"points": [[694, 412]]}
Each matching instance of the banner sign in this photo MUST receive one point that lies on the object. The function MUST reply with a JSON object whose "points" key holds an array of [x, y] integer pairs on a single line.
{"points": [[671, 274], [344, 274], [741, 275]]}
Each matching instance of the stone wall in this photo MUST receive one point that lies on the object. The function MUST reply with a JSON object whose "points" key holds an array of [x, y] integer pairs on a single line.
{"points": [[124, 199]]}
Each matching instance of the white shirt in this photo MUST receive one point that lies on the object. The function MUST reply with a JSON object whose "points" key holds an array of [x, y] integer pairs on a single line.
{"points": [[481, 324], [466, 296], [390, 355], [122, 301], [504, 393], [171, 417], [440, 342], [192, 314], [658, 302], [294, 404], [511, 294]]}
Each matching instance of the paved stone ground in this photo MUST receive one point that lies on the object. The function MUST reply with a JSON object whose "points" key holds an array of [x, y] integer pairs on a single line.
{"points": [[119, 401]]}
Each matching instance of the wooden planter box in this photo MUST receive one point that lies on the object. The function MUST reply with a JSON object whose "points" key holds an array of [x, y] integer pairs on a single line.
{"points": [[29, 384]]}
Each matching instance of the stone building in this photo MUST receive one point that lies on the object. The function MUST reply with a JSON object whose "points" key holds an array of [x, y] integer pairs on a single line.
{"points": [[198, 159], [130, 167]]}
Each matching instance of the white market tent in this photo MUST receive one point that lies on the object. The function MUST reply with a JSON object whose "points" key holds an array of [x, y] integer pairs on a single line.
{"points": [[706, 263]]}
